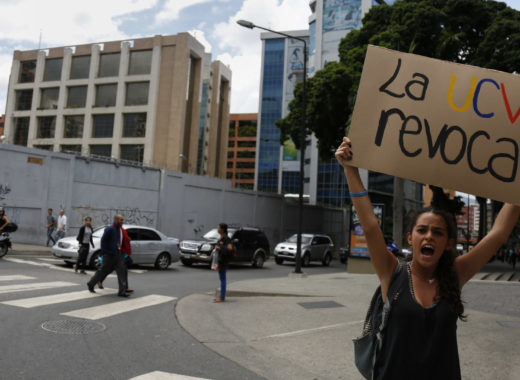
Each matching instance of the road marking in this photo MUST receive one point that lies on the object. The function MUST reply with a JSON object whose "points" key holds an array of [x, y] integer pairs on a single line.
{"points": [[46, 265], [301, 332], [34, 286], [138, 271], [159, 375], [51, 260], [114, 308], [57, 298], [16, 277]]}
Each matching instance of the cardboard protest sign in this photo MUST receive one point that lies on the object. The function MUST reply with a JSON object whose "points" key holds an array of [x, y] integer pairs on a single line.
{"points": [[439, 123]]}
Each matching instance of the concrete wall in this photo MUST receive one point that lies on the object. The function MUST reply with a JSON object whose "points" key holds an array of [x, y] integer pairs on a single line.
{"points": [[180, 205]]}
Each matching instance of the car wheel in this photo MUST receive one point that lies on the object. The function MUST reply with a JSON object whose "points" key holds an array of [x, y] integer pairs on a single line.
{"points": [[306, 260], [343, 260], [326, 260], [96, 261], [186, 262], [259, 259], [163, 261], [278, 260]]}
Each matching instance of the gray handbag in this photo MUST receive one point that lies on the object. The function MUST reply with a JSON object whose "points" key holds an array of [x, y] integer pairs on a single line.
{"points": [[368, 345]]}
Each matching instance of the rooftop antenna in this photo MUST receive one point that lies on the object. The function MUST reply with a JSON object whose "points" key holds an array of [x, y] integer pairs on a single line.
{"points": [[40, 41]]}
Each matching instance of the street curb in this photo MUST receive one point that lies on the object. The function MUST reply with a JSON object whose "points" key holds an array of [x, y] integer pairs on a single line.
{"points": [[30, 253]]}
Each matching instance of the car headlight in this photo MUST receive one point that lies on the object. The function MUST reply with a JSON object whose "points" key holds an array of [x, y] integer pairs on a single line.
{"points": [[206, 247]]}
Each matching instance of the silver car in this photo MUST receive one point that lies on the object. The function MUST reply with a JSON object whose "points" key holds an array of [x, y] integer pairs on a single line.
{"points": [[314, 248], [149, 246]]}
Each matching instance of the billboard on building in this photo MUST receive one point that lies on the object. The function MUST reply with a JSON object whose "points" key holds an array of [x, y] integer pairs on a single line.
{"points": [[339, 16], [358, 241]]}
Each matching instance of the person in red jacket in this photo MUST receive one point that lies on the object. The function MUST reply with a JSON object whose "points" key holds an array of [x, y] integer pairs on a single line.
{"points": [[126, 249]]}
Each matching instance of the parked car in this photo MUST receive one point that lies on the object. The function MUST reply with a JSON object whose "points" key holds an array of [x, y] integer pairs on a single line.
{"points": [[314, 248], [250, 246], [149, 246]]}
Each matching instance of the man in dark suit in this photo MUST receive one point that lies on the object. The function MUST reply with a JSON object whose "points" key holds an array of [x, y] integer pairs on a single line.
{"points": [[113, 258]]}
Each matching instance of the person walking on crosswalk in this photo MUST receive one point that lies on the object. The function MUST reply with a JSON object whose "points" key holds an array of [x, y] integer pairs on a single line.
{"points": [[113, 258], [85, 240]]}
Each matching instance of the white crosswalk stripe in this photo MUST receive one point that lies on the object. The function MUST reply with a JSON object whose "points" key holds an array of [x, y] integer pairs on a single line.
{"points": [[115, 308], [34, 286], [46, 262], [16, 277], [108, 309], [159, 375], [58, 298]]}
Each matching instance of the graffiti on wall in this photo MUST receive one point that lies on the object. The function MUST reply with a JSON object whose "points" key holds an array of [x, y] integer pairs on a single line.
{"points": [[100, 217], [4, 190]]}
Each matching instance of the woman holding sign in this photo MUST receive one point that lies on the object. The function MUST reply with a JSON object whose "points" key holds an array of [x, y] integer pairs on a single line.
{"points": [[420, 340]]}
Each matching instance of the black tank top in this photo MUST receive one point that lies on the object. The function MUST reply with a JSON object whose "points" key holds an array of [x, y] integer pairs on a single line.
{"points": [[420, 343]]}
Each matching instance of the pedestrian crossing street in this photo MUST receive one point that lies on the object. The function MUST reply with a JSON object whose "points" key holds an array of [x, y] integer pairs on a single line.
{"points": [[113, 305]]}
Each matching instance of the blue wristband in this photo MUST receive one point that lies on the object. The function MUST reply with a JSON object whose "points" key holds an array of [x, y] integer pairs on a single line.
{"points": [[361, 194]]}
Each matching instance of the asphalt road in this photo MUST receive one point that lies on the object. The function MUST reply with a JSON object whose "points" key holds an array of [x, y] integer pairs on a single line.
{"points": [[131, 342]]}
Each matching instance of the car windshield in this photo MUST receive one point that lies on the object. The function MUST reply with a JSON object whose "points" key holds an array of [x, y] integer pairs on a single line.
{"points": [[294, 239], [214, 235], [98, 232]]}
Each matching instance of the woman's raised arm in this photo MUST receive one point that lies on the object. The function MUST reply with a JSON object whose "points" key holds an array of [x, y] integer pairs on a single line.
{"points": [[469, 264], [384, 262]]}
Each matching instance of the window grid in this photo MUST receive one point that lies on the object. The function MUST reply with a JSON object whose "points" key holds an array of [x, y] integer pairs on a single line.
{"points": [[74, 126], [103, 150], [134, 124], [52, 71], [46, 127], [103, 125], [136, 93], [77, 97], [24, 100], [132, 152], [21, 131]]}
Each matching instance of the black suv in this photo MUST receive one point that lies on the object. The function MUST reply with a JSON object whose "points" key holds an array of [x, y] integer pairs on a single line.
{"points": [[250, 245]]}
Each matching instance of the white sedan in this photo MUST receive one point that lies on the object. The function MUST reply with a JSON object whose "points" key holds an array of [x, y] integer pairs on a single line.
{"points": [[149, 246]]}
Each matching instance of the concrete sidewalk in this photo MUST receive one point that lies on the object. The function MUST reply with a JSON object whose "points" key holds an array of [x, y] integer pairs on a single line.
{"points": [[29, 250], [302, 328]]}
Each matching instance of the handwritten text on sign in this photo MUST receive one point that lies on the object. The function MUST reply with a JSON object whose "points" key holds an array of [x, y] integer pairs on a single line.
{"points": [[438, 123]]}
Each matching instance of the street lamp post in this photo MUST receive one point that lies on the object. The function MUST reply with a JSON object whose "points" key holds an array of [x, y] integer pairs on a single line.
{"points": [[298, 259]]}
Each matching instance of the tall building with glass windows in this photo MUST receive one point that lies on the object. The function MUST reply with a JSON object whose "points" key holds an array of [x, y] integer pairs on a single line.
{"points": [[278, 165], [136, 100]]}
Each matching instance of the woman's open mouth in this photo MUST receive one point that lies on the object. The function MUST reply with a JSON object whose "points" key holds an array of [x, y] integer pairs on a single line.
{"points": [[427, 250]]}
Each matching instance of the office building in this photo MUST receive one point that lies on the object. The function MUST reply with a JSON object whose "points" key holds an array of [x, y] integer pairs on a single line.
{"points": [[242, 149], [137, 100], [277, 167]]}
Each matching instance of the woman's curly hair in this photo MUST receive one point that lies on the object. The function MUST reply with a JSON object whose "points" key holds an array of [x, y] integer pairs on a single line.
{"points": [[449, 289]]}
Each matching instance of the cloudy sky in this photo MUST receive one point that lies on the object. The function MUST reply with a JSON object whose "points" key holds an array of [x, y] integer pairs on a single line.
{"points": [[212, 22]]}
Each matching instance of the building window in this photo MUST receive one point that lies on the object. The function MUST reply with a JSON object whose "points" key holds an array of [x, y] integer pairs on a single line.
{"points": [[49, 98], [134, 125], [23, 100], [44, 147], [21, 130], [136, 93], [247, 128], [46, 127], [74, 126], [80, 67], [109, 65], [77, 97], [71, 149], [106, 95], [27, 71], [132, 153], [52, 69], [140, 62], [103, 125], [101, 150]]}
